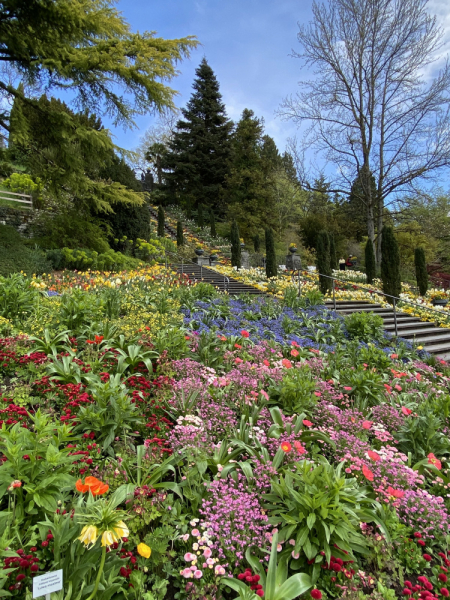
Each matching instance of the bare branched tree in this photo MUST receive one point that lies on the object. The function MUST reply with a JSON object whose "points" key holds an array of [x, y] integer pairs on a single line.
{"points": [[373, 107]]}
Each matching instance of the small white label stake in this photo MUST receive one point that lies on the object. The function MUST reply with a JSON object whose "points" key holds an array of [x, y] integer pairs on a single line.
{"points": [[45, 584]]}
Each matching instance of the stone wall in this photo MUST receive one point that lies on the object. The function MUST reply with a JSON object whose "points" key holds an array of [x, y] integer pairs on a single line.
{"points": [[19, 218]]}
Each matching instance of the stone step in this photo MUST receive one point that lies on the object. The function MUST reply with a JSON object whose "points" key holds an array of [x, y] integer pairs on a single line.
{"points": [[429, 338], [376, 310], [401, 326], [401, 318], [438, 347], [422, 333]]}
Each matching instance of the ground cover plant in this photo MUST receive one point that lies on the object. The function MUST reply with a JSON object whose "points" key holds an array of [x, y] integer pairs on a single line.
{"points": [[160, 440]]}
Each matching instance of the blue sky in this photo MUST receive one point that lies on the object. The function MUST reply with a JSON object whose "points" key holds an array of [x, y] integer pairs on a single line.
{"points": [[246, 42]]}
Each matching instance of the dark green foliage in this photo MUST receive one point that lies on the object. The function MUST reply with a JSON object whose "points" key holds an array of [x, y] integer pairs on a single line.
{"points": [[390, 263], [256, 243], [71, 228], [421, 270], [130, 221], [180, 235], [371, 265], [362, 194], [196, 164], [271, 262], [15, 256], [161, 221], [254, 161], [323, 261], [235, 246], [334, 265], [212, 223], [200, 219]]}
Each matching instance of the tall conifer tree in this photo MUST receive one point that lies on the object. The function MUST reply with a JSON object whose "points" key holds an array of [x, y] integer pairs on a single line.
{"points": [[323, 261], [421, 270], [390, 264], [271, 260], [371, 265], [235, 246], [197, 161]]}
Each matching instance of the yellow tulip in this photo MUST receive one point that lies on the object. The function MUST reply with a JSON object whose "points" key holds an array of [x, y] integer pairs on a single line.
{"points": [[144, 550], [121, 529], [89, 535]]}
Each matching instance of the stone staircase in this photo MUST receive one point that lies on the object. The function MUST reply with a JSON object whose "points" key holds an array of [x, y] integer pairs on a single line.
{"points": [[230, 285], [435, 340]]}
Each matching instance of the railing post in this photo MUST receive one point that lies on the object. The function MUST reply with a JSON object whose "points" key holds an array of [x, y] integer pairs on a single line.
{"points": [[201, 271], [334, 295], [395, 319], [182, 265], [299, 283], [166, 259]]}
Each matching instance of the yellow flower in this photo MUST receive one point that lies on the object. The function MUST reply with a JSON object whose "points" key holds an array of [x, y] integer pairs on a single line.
{"points": [[89, 535], [113, 535], [144, 550]]}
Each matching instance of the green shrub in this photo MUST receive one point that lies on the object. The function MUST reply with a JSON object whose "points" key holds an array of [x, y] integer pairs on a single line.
{"points": [[15, 256], [364, 326], [180, 235], [371, 266], [421, 270], [235, 246], [271, 261], [390, 263], [84, 259], [324, 262], [130, 221], [161, 222]]}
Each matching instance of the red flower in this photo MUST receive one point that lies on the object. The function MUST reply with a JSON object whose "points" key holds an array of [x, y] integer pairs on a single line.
{"points": [[316, 594], [427, 557], [367, 424], [442, 577], [445, 592], [432, 460], [367, 473], [421, 543], [407, 592], [307, 423], [98, 339], [374, 455], [406, 411], [417, 534], [298, 446], [92, 484], [395, 493], [286, 363], [393, 356], [245, 333], [294, 353], [286, 447], [260, 593]]}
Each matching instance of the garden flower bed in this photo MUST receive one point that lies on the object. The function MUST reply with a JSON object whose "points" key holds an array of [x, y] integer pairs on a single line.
{"points": [[160, 440]]}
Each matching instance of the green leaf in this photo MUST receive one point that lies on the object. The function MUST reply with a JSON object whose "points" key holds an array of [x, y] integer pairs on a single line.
{"points": [[294, 587]]}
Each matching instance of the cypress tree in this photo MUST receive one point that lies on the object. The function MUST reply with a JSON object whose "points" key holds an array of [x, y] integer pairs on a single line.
{"points": [[390, 263], [161, 222], [333, 258], [323, 261], [371, 266], [180, 235], [200, 219], [271, 261], [421, 270], [256, 243], [235, 246], [197, 162], [213, 224]]}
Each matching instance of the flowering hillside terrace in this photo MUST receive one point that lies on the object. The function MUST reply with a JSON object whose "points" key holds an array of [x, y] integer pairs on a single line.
{"points": [[160, 440]]}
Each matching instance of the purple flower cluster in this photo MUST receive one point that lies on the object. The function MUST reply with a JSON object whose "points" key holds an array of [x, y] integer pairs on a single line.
{"points": [[233, 516], [425, 513]]}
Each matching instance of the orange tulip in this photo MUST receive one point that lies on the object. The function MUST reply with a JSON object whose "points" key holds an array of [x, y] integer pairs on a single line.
{"points": [[93, 485]]}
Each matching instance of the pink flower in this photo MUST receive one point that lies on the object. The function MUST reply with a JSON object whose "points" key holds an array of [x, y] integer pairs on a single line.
{"points": [[395, 493], [406, 411], [348, 389], [367, 473], [195, 533], [265, 394], [188, 557], [198, 574], [398, 387], [432, 460], [298, 446], [373, 455], [207, 552], [367, 424], [307, 423]]}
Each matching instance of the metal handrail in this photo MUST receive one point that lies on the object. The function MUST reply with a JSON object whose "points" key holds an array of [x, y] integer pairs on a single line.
{"points": [[226, 280], [379, 292]]}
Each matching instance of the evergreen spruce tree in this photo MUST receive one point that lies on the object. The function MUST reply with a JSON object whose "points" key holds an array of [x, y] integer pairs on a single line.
{"points": [[323, 261], [180, 235], [200, 219], [421, 270], [390, 263], [333, 258], [371, 265], [250, 190], [256, 243], [271, 261], [198, 156], [212, 222], [235, 246], [161, 222]]}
